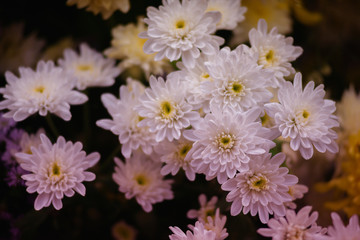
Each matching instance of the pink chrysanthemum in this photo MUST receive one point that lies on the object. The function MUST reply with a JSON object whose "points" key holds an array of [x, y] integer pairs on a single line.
{"points": [[56, 170], [263, 189]]}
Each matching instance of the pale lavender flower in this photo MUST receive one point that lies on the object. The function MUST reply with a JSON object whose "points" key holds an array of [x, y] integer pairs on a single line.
{"points": [[140, 177], [181, 29], [199, 233], [339, 231], [294, 226], [305, 117], [263, 189], [56, 170]]}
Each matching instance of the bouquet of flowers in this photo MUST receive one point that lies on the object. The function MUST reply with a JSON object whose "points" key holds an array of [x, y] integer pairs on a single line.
{"points": [[195, 110]]}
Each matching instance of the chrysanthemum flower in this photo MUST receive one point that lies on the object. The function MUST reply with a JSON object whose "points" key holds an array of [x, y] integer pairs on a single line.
{"points": [[296, 191], [231, 12], [238, 82], [140, 177], [199, 233], [224, 142], [122, 231], [192, 79], [216, 224], [181, 29], [89, 67], [56, 170], [125, 119], [207, 208], [294, 226], [275, 12], [48, 89], [164, 109], [305, 117], [274, 50], [173, 155], [263, 189], [128, 47], [29, 140], [105, 7], [339, 231]]}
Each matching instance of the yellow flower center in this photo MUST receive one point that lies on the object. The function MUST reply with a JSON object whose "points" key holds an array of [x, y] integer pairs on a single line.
{"points": [[55, 169], [84, 67], [167, 110], [141, 180], [225, 141], [258, 182], [184, 150], [269, 56], [39, 89], [180, 24]]}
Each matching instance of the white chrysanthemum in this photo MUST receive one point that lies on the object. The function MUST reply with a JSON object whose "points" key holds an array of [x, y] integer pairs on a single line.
{"points": [[193, 79], [275, 12], [48, 89], [56, 170], [263, 189], [224, 141], [89, 67], [199, 233], [181, 29], [274, 50], [238, 82], [294, 226], [231, 12], [305, 117], [173, 155], [339, 231], [140, 177], [128, 47], [207, 208], [125, 119], [165, 110]]}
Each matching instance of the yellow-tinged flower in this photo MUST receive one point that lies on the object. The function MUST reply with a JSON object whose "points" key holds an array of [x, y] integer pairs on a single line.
{"points": [[349, 113], [105, 7], [128, 47], [303, 15], [275, 12]]}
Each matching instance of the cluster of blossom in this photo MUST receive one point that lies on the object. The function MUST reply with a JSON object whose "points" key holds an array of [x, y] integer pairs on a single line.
{"points": [[218, 115], [302, 225], [221, 95], [51, 170]]}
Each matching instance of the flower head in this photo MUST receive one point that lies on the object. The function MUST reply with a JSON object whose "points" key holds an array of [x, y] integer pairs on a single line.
{"points": [[199, 233], [48, 89], [294, 226], [173, 155], [56, 170], [140, 177], [305, 117], [340, 231], [225, 141], [207, 208], [238, 82], [232, 12], [128, 47], [125, 119], [164, 109], [181, 29], [263, 189], [89, 68]]}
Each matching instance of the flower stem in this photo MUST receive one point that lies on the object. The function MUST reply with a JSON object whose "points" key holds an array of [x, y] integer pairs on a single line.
{"points": [[51, 124]]}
